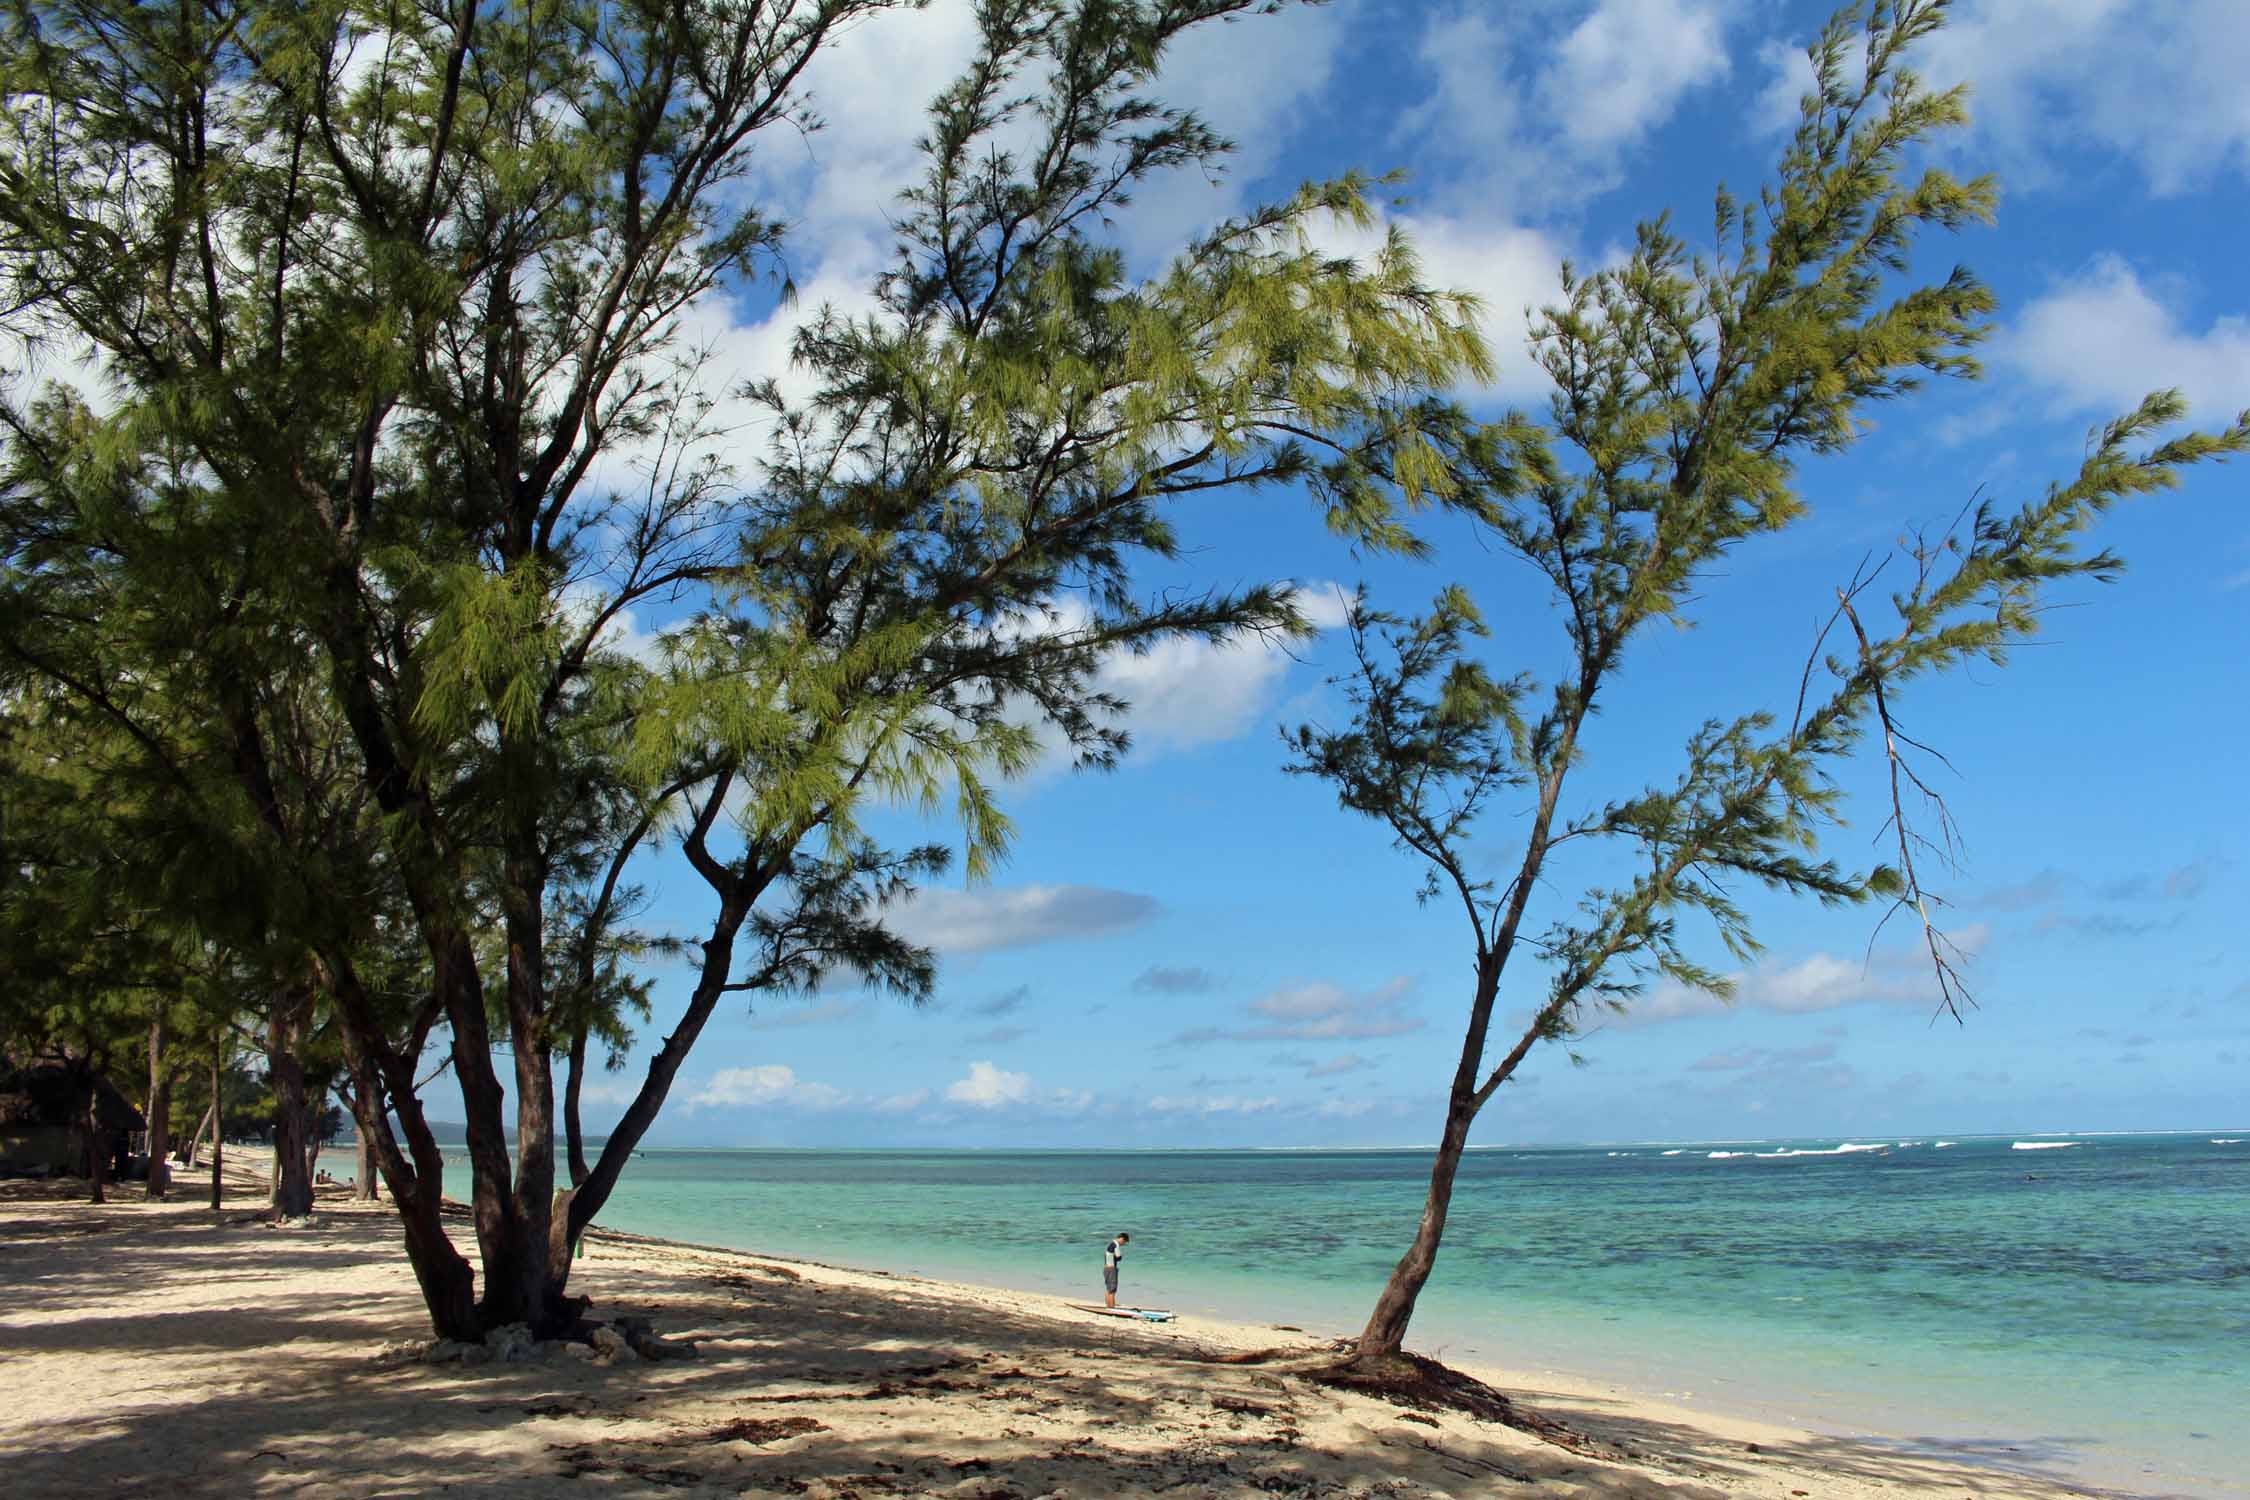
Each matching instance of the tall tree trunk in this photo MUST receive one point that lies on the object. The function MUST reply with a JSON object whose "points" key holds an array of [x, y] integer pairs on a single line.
{"points": [[576, 1207], [589, 965], [417, 1188], [218, 1123], [386, 1086], [1384, 1337], [96, 1156], [195, 1142], [315, 1107], [159, 1112], [365, 1085], [519, 1284], [292, 1196], [499, 1242], [574, 1135], [1385, 1334], [417, 1191]]}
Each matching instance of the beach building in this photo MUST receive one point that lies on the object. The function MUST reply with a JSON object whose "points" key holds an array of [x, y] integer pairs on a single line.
{"points": [[43, 1120]]}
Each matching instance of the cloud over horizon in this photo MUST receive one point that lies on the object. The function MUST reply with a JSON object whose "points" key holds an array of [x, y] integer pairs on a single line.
{"points": [[989, 918], [989, 1087], [1318, 1011], [768, 1083], [1816, 982], [2100, 340]]}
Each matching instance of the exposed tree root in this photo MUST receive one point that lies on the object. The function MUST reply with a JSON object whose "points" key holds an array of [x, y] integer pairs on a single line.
{"points": [[1420, 1384], [1278, 1356]]}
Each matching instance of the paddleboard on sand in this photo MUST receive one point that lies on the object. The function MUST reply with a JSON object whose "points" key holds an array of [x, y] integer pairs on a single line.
{"points": [[1145, 1314]]}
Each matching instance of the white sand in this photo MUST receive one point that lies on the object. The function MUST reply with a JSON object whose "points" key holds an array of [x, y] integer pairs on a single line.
{"points": [[163, 1351]]}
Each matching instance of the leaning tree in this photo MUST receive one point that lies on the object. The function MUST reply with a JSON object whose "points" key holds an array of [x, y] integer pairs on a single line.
{"points": [[1685, 390]]}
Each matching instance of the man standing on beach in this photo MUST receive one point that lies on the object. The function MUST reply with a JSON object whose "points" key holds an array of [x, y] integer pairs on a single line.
{"points": [[1112, 1253]]}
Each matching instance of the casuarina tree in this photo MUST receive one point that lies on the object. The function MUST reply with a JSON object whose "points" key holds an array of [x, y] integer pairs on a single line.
{"points": [[1686, 391], [388, 305]]}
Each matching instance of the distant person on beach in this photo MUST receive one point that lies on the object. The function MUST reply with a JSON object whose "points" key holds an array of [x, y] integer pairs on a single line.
{"points": [[1112, 1253]]}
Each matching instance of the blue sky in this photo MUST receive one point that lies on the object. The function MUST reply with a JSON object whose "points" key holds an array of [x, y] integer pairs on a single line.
{"points": [[1197, 950]]}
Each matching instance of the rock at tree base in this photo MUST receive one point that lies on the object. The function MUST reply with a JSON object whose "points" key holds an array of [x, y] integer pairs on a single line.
{"points": [[514, 1345], [610, 1347], [641, 1336], [454, 1351]]}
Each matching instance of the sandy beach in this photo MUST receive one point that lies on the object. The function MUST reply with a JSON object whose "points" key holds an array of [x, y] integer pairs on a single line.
{"points": [[163, 1349]]}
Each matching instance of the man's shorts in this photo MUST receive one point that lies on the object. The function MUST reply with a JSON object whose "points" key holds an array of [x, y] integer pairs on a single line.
{"points": [[1109, 1278]]}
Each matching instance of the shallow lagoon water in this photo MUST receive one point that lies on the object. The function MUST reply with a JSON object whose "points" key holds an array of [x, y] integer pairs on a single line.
{"points": [[2083, 1308]]}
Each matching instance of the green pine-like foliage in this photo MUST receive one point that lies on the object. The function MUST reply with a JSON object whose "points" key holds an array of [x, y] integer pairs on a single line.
{"points": [[400, 427]]}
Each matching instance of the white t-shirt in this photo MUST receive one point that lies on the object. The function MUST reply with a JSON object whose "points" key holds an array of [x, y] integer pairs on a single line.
{"points": [[1112, 1253]]}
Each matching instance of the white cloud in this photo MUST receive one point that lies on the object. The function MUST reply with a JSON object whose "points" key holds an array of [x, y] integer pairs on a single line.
{"points": [[1252, 80], [1472, 107], [1745, 1058], [2156, 82], [2100, 341], [29, 365], [976, 921], [817, 1013], [1324, 604], [1213, 1104], [989, 1087], [1789, 77], [1185, 693], [1318, 1011], [609, 1091], [1511, 268], [1817, 982], [839, 185], [736, 353], [1325, 1012], [769, 1083], [1541, 119], [1624, 69], [871, 85], [621, 632], [837, 189]]}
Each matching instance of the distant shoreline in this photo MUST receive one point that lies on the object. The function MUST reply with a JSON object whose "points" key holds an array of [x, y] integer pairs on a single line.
{"points": [[458, 1139]]}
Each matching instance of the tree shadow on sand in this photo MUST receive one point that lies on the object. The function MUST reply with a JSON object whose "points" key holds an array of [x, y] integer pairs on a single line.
{"points": [[803, 1388]]}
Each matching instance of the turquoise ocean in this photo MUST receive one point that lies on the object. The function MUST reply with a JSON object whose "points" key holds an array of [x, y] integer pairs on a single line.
{"points": [[2079, 1306]]}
